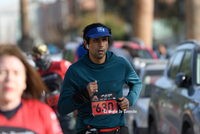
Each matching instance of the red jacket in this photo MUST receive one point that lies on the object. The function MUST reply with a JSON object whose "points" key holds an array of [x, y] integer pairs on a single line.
{"points": [[33, 116], [59, 67], [53, 78]]}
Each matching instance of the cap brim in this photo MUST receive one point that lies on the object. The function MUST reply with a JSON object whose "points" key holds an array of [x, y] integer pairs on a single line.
{"points": [[97, 35]]}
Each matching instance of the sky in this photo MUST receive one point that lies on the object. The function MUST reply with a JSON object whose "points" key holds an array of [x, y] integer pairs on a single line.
{"points": [[7, 3]]}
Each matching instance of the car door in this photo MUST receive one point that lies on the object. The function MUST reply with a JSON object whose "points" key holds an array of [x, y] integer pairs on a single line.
{"points": [[167, 116], [158, 94], [178, 97], [142, 103]]}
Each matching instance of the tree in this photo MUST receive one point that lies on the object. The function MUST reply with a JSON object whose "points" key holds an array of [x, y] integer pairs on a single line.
{"points": [[25, 42], [142, 20], [122, 8], [192, 19]]}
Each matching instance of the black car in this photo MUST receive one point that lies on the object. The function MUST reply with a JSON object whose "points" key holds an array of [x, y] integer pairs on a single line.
{"points": [[175, 101]]}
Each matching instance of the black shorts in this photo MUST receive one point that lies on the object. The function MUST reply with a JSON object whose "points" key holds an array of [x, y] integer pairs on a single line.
{"points": [[122, 130]]}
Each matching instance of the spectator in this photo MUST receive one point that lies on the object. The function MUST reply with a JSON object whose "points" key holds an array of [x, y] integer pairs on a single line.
{"points": [[162, 52]]}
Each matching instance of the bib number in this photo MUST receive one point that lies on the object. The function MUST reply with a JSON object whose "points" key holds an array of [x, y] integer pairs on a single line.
{"points": [[104, 104], [53, 100]]}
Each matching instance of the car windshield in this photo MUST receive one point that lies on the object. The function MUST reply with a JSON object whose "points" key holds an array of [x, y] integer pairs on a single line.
{"points": [[143, 54], [198, 69], [148, 82]]}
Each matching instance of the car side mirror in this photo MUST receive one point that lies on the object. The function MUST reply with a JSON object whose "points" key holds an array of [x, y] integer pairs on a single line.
{"points": [[180, 80]]}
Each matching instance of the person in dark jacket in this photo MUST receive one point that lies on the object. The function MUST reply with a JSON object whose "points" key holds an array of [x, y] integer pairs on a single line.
{"points": [[94, 86]]}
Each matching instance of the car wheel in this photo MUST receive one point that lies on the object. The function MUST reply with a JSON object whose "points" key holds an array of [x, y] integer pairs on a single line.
{"points": [[152, 128], [135, 129], [189, 131]]}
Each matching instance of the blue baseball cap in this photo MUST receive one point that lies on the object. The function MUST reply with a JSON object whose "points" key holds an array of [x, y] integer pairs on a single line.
{"points": [[97, 32]]}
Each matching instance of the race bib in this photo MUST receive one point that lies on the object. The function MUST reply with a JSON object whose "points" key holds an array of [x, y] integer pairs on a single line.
{"points": [[103, 104], [53, 100]]}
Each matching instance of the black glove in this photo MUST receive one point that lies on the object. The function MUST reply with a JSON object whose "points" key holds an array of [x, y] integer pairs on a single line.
{"points": [[81, 96]]}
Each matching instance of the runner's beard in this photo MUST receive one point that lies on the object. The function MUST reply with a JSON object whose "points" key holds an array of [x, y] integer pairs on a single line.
{"points": [[100, 56]]}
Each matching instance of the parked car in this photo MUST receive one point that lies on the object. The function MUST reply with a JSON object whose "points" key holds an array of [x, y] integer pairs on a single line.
{"points": [[139, 50], [140, 63], [137, 117], [175, 102]]}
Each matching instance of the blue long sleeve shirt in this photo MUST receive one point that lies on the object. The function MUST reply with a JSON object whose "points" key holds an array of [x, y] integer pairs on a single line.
{"points": [[111, 77]]}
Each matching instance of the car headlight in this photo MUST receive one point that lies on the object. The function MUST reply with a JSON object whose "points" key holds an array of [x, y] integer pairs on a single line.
{"points": [[138, 63], [142, 64]]}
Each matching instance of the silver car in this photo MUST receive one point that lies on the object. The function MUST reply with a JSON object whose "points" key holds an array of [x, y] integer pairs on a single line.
{"points": [[137, 115], [175, 103]]}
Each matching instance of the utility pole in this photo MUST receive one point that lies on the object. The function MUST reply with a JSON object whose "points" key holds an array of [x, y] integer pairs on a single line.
{"points": [[143, 11], [25, 43], [192, 19]]}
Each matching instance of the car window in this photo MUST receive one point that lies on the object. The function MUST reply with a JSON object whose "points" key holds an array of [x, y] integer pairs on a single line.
{"points": [[144, 54], [148, 82], [175, 65], [186, 66], [171, 59], [198, 68]]}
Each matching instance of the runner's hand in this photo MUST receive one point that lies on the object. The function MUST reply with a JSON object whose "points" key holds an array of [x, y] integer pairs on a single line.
{"points": [[124, 103], [92, 88]]}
